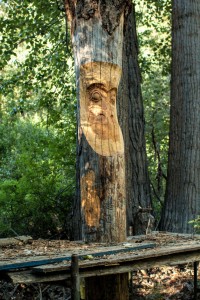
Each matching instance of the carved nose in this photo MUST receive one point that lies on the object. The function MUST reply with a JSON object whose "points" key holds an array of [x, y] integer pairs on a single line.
{"points": [[104, 105]]}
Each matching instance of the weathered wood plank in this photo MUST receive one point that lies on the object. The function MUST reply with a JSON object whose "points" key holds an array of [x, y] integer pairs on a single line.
{"points": [[29, 277], [142, 264], [44, 260], [131, 258], [164, 233], [96, 270]]}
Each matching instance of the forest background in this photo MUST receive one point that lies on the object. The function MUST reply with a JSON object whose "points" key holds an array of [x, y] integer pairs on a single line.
{"points": [[38, 112]]}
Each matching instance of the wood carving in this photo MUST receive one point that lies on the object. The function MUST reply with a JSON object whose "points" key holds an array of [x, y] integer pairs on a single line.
{"points": [[98, 114]]}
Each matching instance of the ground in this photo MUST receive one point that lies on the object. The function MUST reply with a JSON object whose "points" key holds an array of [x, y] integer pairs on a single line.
{"points": [[164, 283]]}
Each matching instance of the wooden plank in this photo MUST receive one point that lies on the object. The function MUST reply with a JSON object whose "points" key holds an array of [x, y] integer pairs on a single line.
{"points": [[184, 235], [143, 263], [29, 277], [44, 260], [116, 260], [164, 234]]}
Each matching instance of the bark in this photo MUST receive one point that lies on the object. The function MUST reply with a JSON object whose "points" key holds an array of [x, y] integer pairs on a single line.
{"points": [[97, 37], [109, 287], [131, 118], [182, 202]]}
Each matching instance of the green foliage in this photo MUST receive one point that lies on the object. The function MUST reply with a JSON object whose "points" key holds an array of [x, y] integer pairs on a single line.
{"points": [[36, 180], [38, 103], [38, 72], [196, 224]]}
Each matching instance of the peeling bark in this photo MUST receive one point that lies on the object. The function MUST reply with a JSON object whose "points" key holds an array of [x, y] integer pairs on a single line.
{"points": [[109, 11]]}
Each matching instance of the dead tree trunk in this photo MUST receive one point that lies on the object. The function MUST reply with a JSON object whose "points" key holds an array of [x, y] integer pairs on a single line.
{"points": [[97, 38]]}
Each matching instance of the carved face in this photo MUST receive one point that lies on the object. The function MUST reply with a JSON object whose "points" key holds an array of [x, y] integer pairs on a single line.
{"points": [[98, 90]]}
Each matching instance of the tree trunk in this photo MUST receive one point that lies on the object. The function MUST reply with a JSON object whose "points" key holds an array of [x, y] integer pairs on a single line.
{"points": [[97, 37], [131, 119], [109, 287], [182, 202]]}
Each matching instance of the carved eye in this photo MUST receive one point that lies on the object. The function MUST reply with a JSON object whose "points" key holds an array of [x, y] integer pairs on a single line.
{"points": [[95, 96]]}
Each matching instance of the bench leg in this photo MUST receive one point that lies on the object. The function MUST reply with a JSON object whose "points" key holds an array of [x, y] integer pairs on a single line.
{"points": [[195, 279]]}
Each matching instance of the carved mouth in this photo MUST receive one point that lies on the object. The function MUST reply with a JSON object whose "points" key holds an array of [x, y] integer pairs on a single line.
{"points": [[102, 118]]}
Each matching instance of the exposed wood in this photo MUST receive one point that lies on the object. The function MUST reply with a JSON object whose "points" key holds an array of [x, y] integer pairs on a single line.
{"points": [[15, 240], [102, 177], [75, 278], [102, 180], [98, 90]]}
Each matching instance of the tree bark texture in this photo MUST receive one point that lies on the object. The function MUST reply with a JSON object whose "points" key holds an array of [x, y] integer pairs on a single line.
{"points": [[131, 118], [97, 38], [182, 202], [113, 287]]}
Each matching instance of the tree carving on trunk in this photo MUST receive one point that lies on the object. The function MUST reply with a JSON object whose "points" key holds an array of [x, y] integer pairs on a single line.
{"points": [[97, 38], [98, 114]]}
